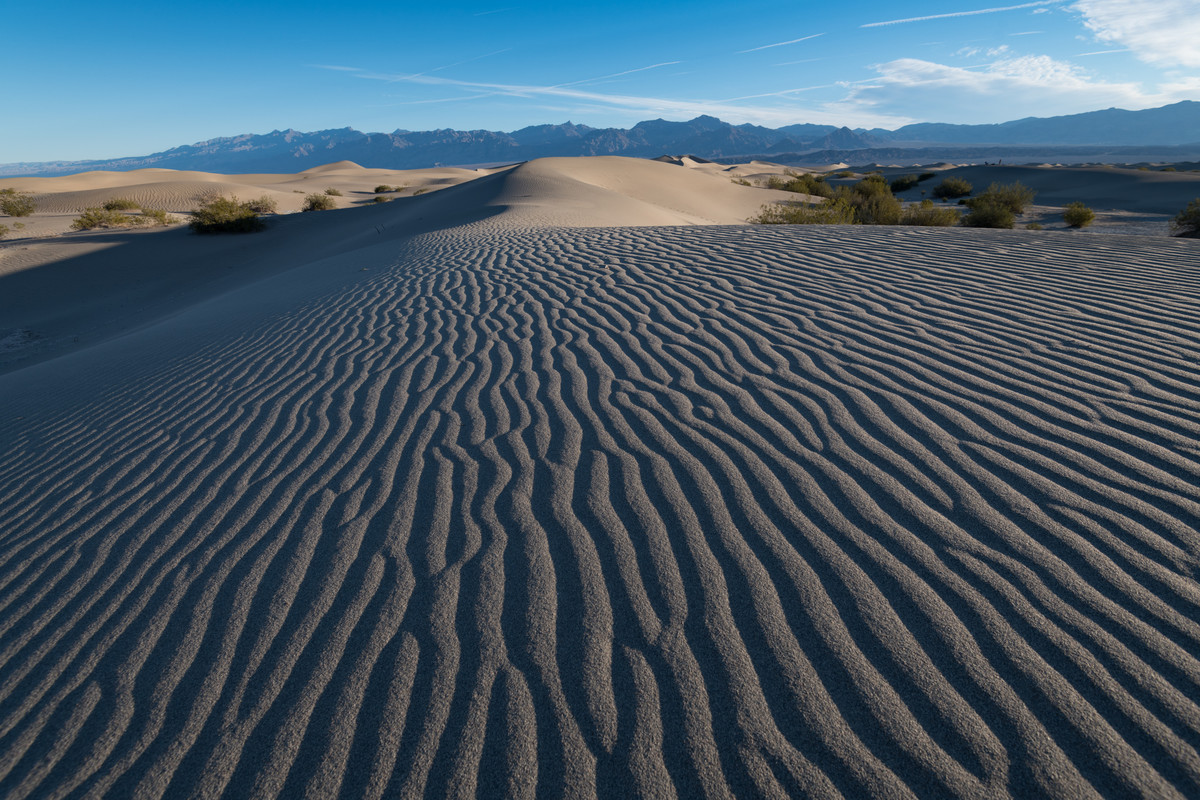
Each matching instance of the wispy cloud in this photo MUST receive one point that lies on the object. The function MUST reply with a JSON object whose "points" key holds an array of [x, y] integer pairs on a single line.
{"points": [[619, 74], [780, 44], [634, 104], [1103, 52], [801, 61], [1163, 32], [959, 14]]}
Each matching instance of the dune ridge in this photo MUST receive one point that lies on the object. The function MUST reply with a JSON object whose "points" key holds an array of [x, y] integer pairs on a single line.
{"points": [[501, 510]]}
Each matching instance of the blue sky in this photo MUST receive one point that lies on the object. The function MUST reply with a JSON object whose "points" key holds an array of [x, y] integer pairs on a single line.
{"points": [[90, 80]]}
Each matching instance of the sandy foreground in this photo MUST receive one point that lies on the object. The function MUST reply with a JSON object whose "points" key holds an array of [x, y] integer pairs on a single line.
{"points": [[559, 483]]}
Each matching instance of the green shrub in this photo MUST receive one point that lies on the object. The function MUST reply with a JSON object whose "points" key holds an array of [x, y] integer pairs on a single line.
{"points": [[872, 201], [924, 176], [801, 184], [989, 214], [1033, 226], [1077, 215], [102, 218], [121, 204], [1168, 169], [263, 205], [156, 216], [830, 212], [318, 202], [16, 204], [904, 182], [741, 181], [225, 215], [846, 173], [333, 192], [1187, 222], [952, 187], [378, 199], [1013, 196], [926, 213], [383, 188]]}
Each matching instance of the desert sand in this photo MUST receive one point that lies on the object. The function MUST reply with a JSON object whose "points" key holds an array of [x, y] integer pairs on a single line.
{"points": [[558, 482]]}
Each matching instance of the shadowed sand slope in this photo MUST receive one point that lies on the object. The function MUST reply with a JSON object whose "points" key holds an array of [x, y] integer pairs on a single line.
{"points": [[662, 511]]}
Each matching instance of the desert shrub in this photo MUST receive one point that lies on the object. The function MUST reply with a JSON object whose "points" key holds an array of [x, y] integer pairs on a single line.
{"points": [[801, 184], [926, 213], [102, 218], [225, 215], [420, 190], [924, 176], [1013, 196], [1077, 215], [1168, 169], [989, 214], [378, 199], [1187, 222], [1033, 226], [846, 173], [3, 231], [318, 202], [263, 205], [16, 204], [383, 188], [741, 181], [121, 204], [830, 212], [332, 192], [872, 201], [952, 187], [904, 182], [156, 216]]}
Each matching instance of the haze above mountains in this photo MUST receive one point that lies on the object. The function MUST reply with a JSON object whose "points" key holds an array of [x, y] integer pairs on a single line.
{"points": [[1173, 129]]}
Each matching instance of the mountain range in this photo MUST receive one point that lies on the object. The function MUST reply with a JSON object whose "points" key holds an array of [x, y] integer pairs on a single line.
{"points": [[1112, 130]]}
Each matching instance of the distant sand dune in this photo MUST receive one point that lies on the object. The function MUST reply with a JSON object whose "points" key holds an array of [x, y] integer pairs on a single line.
{"points": [[501, 510]]}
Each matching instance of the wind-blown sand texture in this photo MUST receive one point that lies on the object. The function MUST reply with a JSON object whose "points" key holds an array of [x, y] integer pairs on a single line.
{"points": [[472, 502]]}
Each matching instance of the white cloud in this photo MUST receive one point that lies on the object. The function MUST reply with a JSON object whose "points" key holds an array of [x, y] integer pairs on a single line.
{"points": [[1000, 91], [1162, 32]]}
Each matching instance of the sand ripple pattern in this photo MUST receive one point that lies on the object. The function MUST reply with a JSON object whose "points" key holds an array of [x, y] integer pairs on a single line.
{"points": [[662, 512]]}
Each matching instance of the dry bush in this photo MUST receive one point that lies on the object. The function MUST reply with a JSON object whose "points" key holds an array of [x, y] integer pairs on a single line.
{"points": [[1077, 215], [318, 202], [926, 213], [831, 212], [1187, 222], [333, 192], [225, 215], [121, 204], [952, 187], [16, 204], [263, 205]]}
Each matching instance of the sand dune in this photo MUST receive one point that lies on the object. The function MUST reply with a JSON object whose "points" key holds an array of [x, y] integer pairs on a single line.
{"points": [[492, 493]]}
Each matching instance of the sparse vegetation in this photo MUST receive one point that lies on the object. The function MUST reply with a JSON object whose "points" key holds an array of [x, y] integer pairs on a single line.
{"points": [[156, 216], [263, 205], [741, 181], [951, 188], [806, 183], [121, 204], [830, 212], [16, 204], [420, 190], [1033, 226], [378, 199], [3, 231], [318, 202], [102, 218], [872, 201], [332, 192], [384, 188], [225, 215], [1077, 215], [1169, 169], [999, 206], [904, 182], [928, 214], [1187, 222], [924, 176], [844, 174]]}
